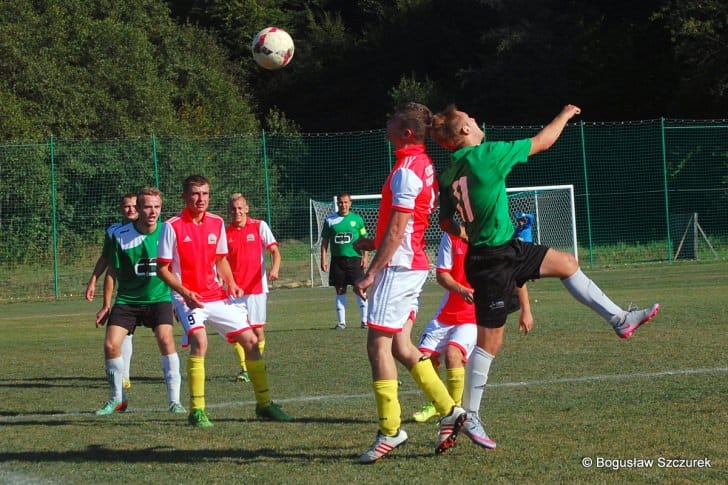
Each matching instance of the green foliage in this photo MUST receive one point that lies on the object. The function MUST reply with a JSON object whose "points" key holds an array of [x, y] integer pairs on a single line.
{"points": [[411, 89], [699, 31], [111, 69]]}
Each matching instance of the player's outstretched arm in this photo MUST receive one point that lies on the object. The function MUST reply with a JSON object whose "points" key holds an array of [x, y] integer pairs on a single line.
{"points": [[551, 132]]}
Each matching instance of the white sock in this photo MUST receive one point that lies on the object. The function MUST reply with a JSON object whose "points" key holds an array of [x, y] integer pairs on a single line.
{"points": [[341, 308], [587, 292], [476, 377], [114, 372], [362, 308], [170, 369], [126, 351]]}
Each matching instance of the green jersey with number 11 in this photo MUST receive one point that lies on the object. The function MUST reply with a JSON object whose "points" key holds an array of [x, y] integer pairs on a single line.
{"points": [[475, 186]]}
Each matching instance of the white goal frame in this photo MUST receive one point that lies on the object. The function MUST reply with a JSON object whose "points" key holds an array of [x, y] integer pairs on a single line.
{"points": [[556, 229]]}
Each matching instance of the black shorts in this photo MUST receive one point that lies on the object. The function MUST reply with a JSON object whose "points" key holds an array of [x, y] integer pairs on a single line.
{"points": [[344, 271], [151, 315], [494, 273]]}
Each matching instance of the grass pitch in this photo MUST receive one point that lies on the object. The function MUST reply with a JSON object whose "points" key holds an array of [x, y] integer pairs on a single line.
{"points": [[568, 393]]}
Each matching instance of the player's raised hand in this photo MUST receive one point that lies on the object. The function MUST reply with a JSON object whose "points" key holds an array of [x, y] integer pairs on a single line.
{"points": [[570, 111]]}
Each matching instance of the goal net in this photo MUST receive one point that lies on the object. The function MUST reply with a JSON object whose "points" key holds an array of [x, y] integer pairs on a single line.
{"points": [[552, 207]]}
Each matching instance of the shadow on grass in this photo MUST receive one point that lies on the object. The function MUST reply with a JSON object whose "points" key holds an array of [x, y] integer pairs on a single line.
{"points": [[101, 454], [61, 381], [118, 419]]}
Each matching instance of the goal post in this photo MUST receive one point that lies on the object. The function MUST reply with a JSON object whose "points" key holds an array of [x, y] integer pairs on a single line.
{"points": [[554, 214], [552, 207]]}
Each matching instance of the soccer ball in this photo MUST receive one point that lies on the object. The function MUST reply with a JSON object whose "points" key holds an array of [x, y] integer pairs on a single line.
{"points": [[272, 48]]}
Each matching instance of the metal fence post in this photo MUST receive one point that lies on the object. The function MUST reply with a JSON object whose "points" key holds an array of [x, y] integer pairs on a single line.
{"points": [[665, 188], [54, 217]]}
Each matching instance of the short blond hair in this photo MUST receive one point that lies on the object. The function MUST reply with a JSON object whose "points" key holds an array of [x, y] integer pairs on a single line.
{"points": [[234, 198], [152, 191]]}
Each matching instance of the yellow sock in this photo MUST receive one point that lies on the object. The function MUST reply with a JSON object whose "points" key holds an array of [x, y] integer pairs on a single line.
{"points": [[388, 408], [259, 378], [240, 352], [455, 383], [426, 377], [196, 379], [261, 346]]}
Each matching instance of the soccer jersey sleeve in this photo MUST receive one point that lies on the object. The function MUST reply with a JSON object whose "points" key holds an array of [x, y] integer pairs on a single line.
{"points": [[266, 235], [503, 155], [444, 254], [325, 229], [362, 226], [222, 247], [406, 185], [167, 242]]}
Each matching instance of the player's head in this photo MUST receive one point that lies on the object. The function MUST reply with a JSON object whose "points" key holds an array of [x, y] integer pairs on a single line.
{"points": [[196, 193], [238, 208], [343, 203], [410, 124], [149, 205], [127, 207], [521, 218], [453, 129]]}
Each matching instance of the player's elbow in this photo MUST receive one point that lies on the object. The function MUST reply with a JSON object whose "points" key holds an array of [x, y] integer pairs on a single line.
{"points": [[541, 143]]}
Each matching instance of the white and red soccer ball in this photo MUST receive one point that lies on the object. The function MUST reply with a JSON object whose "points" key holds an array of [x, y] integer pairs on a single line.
{"points": [[272, 48]]}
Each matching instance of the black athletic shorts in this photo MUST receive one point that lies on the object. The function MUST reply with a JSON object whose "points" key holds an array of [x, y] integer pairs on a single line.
{"points": [[151, 315], [344, 271], [494, 273]]}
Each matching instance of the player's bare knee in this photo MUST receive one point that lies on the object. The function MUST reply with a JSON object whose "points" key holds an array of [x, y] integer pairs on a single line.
{"points": [[559, 264]]}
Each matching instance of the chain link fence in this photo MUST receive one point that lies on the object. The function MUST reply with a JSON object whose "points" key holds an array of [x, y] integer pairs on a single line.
{"points": [[644, 191]]}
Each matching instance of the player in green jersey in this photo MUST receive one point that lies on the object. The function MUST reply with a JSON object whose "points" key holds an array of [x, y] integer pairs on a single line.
{"points": [[127, 208], [142, 299], [339, 232], [474, 188]]}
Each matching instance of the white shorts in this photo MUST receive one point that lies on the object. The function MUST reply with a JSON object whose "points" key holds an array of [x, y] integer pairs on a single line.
{"points": [[224, 316], [255, 305], [395, 298], [437, 336]]}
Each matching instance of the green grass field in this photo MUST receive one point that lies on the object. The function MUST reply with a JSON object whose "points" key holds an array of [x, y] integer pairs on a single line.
{"points": [[570, 390]]}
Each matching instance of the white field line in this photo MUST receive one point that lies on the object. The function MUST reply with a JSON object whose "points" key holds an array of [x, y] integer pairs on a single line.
{"points": [[345, 397]]}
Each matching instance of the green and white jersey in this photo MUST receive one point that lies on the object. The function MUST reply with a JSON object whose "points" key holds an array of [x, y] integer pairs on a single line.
{"points": [[475, 186], [342, 231], [135, 260], [108, 249]]}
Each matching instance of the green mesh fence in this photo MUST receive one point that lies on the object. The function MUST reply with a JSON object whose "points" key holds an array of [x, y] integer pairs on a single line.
{"points": [[644, 191]]}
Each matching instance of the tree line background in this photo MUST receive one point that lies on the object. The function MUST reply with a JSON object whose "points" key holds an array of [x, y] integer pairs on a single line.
{"points": [[108, 69]]}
